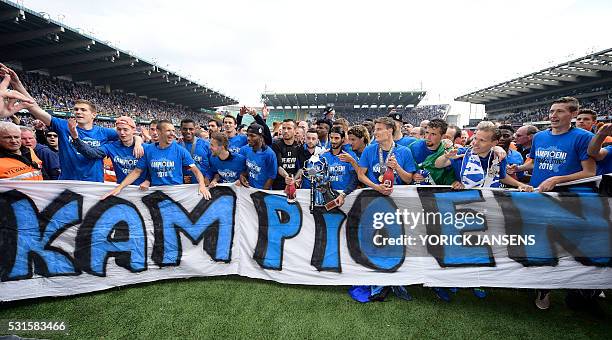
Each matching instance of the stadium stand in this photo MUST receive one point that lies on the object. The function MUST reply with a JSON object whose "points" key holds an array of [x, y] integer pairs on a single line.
{"points": [[59, 64], [527, 99], [354, 106]]}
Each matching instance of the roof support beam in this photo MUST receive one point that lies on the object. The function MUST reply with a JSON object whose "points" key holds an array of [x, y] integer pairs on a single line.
{"points": [[34, 52], [36, 64], [110, 73], [598, 67], [11, 14], [593, 74], [175, 89], [138, 85], [520, 89], [103, 64], [13, 38], [604, 58], [135, 79], [542, 82], [559, 78], [159, 85]]}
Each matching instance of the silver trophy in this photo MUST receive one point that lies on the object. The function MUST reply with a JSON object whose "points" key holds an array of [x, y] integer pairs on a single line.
{"points": [[321, 192]]}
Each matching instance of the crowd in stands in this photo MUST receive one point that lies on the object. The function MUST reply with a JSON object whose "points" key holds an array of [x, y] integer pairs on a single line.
{"points": [[600, 103], [411, 115], [58, 94]]}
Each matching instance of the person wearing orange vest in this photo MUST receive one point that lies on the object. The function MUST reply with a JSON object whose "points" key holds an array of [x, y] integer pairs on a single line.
{"points": [[17, 162]]}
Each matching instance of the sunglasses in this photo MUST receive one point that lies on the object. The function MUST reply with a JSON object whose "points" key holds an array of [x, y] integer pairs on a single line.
{"points": [[51, 135]]}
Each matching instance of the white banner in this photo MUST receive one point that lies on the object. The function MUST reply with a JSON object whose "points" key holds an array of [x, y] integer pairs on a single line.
{"points": [[59, 238]]}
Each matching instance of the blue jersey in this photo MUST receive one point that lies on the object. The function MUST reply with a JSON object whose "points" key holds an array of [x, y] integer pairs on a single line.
{"points": [[515, 157], [165, 166], [406, 141], [558, 155], [236, 142], [604, 166], [460, 164], [261, 165], [123, 160], [229, 169], [74, 165], [369, 159], [420, 151], [201, 157], [340, 173]]}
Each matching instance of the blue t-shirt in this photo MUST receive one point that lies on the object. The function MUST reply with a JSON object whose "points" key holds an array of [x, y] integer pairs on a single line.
{"points": [[262, 165], [558, 155], [229, 170], [236, 142], [604, 166], [459, 164], [515, 157], [165, 166], [420, 151], [406, 141], [201, 157], [340, 173], [369, 159], [123, 160], [74, 165]]}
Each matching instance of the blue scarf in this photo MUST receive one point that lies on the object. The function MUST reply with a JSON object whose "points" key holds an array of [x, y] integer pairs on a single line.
{"points": [[473, 174]]}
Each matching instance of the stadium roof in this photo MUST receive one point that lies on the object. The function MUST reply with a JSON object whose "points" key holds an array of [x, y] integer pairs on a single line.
{"points": [[353, 98], [589, 67], [39, 43]]}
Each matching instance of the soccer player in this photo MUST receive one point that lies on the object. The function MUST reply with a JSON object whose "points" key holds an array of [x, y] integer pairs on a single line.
{"points": [[385, 154], [586, 119], [225, 166], [198, 148], [75, 166], [267, 135], [480, 167], [341, 174], [288, 155], [214, 126], [603, 156], [323, 126], [513, 157], [262, 167], [164, 162], [427, 151], [235, 140], [398, 137], [121, 152], [312, 141], [300, 135], [560, 153], [151, 135]]}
